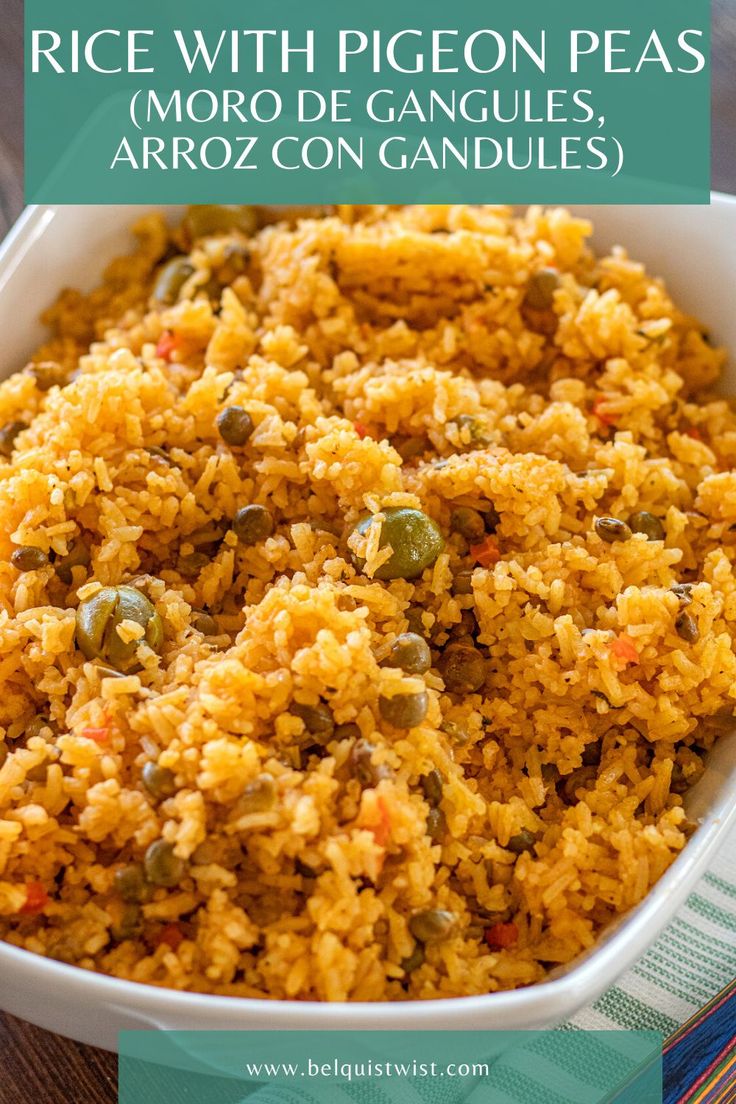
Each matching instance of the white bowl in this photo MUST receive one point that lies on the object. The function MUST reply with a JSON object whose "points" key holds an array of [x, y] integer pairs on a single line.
{"points": [[694, 248]]}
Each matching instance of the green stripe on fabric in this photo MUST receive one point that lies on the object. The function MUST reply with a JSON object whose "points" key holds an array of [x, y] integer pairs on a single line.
{"points": [[711, 912], [586, 1058], [630, 1012], [686, 974], [691, 990], [725, 887], [711, 969], [702, 950], [696, 954], [679, 951], [363, 1092], [725, 946], [520, 1087]]}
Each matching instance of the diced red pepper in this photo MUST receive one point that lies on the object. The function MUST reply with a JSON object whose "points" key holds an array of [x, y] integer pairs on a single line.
{"points": [[694, 432], [607, 419], [486, 553], [360, 429], [624, 649], [172, 935], [100, 735], [36, 899], [167, 343], [501, 936]]}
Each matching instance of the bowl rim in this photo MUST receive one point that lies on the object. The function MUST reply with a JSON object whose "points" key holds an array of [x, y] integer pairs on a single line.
{"points": [[590, 973]]}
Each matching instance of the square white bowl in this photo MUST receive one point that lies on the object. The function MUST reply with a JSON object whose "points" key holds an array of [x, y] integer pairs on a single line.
{"points": [[694, 248]]}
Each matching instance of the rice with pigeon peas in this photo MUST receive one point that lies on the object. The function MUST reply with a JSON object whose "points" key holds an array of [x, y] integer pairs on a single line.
{"points": [[368, 603]]}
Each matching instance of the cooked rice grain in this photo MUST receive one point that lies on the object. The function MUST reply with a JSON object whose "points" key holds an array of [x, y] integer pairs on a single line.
{"points": [[352, 340]]}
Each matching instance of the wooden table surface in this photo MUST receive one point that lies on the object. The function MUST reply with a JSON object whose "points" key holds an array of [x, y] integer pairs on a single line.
{"points": [[43, 1068]]}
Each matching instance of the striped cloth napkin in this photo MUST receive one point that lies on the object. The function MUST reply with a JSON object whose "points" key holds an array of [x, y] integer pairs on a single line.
{"points": [[691, 962]]}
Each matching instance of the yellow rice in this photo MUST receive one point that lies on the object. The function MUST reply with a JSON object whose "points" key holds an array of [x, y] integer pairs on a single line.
{"points": [[345, 336]]}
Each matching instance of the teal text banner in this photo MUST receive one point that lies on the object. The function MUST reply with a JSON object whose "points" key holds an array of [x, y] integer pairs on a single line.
{"points": [[398, 1067], [184, 102]]}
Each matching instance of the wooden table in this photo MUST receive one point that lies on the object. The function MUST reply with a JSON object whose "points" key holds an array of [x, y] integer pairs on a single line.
{"points": [[43, 1068]]}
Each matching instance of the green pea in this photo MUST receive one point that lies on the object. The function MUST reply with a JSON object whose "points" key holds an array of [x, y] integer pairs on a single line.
{"points": [[432, 784], [258, 796], [317, 719], [455, 732], [213, 290], [77, 556], [171, 280], [235, 257], [521, 842], [234, 425], [468, 523], [162, 866], [207, 852], [644, 522], [432, 925], [204, 623], [409, 448], [107, 672], [190, 566], [367, 773], [130, 884], [466, 629], [210, 218], [415, 621], [128, 926], [252, 524], [411, 653], [461, 545], [462, 582], [8, 434], [415, 540], [687, 627], [36, 726], [463, 668], [99, 616], [48, 374], [472, 429], [28, 558], [404, 710], [350, 731], [37, 773], [578, 779], [436, 825], [612, 529], [159, 781], [414, 961], [684, 592], [540, 291]]}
